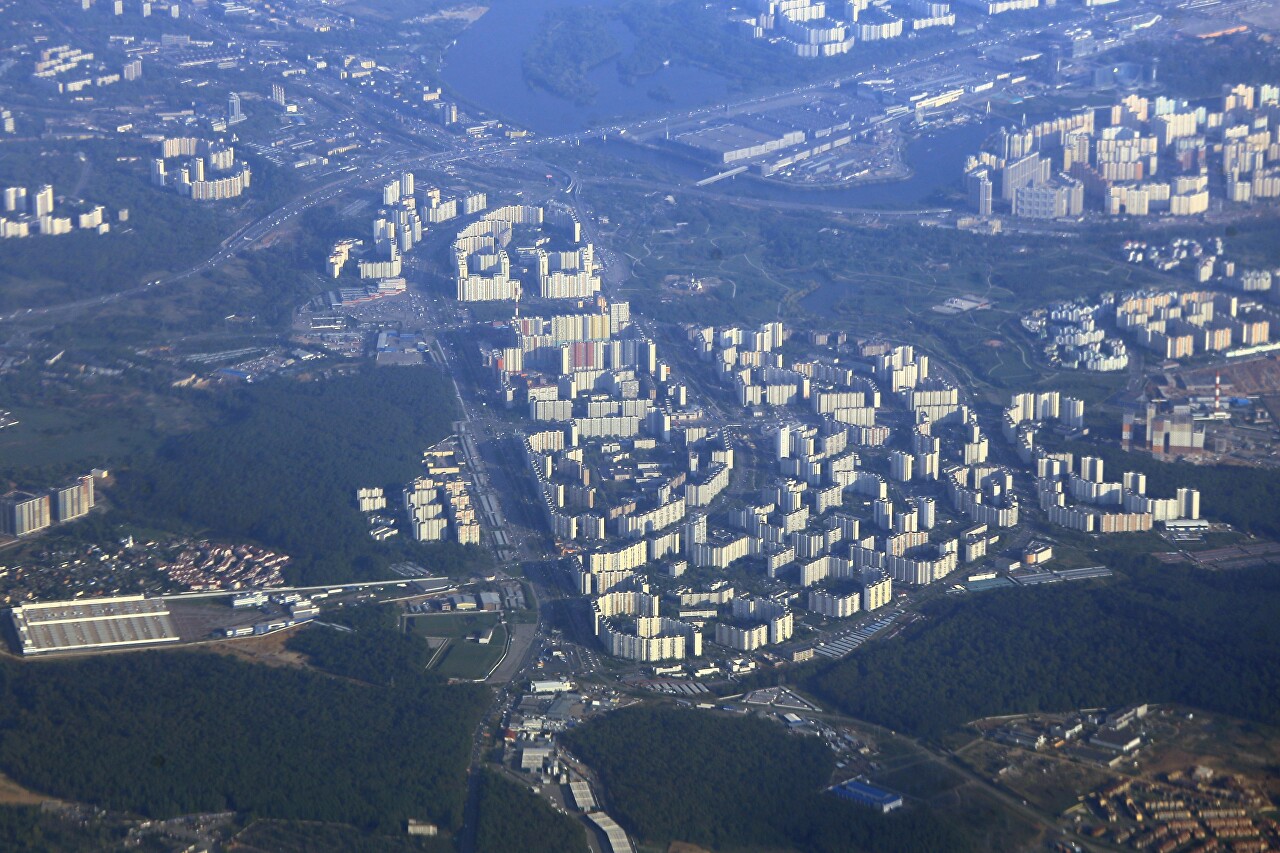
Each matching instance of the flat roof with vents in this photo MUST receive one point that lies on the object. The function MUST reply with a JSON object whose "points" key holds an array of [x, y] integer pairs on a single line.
{"points": [[99, 623]]}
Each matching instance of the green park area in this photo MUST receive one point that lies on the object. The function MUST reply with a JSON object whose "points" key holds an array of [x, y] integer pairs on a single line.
{"points": [[461, 656], [451, 625], [470, 660]]}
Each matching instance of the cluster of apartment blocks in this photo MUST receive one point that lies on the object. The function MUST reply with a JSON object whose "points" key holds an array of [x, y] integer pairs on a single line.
{"points": [[1210, 264], [816, 28], [53, 62], [1022, 178], [441, 493], [1073, 337], [1250, 145], [405, 215], [836, 550], [847, 398], [146, 7], [438, 504], [1173, 324], [904, 552], [628, 625], [593, 376], [662, 523], [429, 502], [26, 213], [841, 394], [1085, 501], [483, 267], [1120, 507], [210, 171], [23, 513], [575, 510], [592, 372], [609, 575], [754, 623], [797, 529], [827, 547], [1184, 324], [1113, 168], [980, 491]]}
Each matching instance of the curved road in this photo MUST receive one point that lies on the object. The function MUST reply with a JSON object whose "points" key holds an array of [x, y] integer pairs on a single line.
{"points": [[254, 232]]}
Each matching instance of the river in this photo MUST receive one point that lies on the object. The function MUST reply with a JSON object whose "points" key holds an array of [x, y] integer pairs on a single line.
{"points": [[484, 67]]}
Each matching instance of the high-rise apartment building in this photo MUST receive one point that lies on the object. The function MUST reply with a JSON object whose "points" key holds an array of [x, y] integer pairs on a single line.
{"points": [[22, 513], [981, 191], [73, 500], [42, 202], [1028, 171]]}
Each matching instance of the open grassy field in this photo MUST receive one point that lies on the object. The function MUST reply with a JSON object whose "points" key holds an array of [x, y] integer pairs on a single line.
{"points": [[58, 437], [469, 659], [451, 625]]}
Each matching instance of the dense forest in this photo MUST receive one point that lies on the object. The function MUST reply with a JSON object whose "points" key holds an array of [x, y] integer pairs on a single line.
{"points": [[512, 819], [280, 463], [570, 42], [742, 783], [295, 836], [1196, 68], [1156, 635], [167, 733]]}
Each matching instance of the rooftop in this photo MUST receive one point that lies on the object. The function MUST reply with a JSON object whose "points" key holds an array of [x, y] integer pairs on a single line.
{"points": [[60, 626]]}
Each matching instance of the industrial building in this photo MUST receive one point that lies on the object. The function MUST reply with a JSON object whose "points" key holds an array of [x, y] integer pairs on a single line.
{"points": [[614, 834], [581, 797], [731, 142], [102, 623], [870, 796]]}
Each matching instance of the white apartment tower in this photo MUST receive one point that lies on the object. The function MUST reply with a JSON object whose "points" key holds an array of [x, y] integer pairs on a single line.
{"points": [[42, 203]]}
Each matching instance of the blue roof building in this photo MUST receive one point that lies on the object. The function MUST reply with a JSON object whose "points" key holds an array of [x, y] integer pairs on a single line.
{"points": [[870, 796]]}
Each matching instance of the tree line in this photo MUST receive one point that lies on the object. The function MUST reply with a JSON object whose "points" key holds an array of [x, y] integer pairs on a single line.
{"points": [[168, 733], [512, 819], [1156, 634], [742, 783]]}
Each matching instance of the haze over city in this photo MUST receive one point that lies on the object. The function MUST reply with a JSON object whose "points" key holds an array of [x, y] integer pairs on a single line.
{"points": [[640, 425]]}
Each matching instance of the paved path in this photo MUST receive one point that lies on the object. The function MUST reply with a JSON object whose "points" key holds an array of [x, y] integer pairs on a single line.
{"points": [[522, 637]]}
